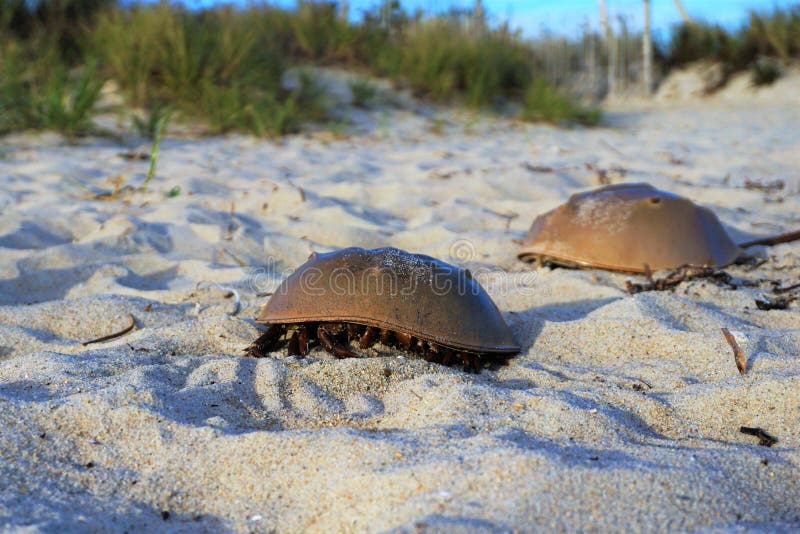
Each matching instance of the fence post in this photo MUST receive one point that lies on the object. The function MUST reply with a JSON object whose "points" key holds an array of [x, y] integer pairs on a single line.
{"points": [[647, 52], [608, 38], [622, 51]]}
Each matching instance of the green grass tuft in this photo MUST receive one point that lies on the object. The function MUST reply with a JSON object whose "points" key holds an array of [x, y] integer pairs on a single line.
{"points": [[151, 171], [363, 92], [441, 60], [772, 35], [67, 101], [37, 91], [544, 103], [147, 126], [765, 71]]}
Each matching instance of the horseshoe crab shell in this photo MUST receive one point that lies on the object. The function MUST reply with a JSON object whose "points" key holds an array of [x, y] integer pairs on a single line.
{"points": [[624, 227], [395, 290]]}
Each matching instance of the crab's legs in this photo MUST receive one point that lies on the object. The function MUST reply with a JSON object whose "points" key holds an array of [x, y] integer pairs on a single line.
{"points": [[268, 341]]}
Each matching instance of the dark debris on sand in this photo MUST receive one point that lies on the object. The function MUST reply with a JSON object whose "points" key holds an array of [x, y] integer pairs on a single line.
{"points": [[684, 273]]}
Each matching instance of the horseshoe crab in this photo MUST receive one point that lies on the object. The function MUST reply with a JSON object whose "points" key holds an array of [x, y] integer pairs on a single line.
{"points": [[630, 228], [416, 303]]}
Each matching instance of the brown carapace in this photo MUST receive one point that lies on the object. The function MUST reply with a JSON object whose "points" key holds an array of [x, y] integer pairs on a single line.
{"points": [[416, 303], [629, 227]]}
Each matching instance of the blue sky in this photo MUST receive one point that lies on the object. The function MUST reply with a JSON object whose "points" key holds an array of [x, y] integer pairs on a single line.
{"points": [[566, 16]]}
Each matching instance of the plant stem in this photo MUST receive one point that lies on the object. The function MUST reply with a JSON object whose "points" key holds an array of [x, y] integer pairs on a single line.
{"points": [[162, 124]]}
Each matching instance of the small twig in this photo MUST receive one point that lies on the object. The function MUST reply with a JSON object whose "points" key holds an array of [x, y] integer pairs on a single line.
{"points": [[510, 216], [115, 334], [764, 439], [299, 190], [738, 353], [443, 174], [538, 168], [786, 289], [231, 223], [768, 241]]}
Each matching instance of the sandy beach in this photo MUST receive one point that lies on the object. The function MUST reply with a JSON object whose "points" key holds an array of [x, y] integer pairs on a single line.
{"points": [[621, 412]]}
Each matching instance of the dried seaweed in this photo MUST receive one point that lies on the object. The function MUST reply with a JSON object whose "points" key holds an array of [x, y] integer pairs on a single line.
{"points": [[601, 175], [764, 439], [786, 289], [774, 303], [750, 263], [134, 155], [606, 176], [766, 187], [674, 278]]}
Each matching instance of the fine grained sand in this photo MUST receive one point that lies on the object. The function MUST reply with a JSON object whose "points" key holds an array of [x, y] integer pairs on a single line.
{"points": [[621, 412]]}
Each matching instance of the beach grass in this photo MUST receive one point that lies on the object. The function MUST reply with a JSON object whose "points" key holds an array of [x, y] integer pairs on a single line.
{"points": [[39, 91], [767, 39], [363, 92], [225, 67], [159, 131], [441, 59], [544, 103]]}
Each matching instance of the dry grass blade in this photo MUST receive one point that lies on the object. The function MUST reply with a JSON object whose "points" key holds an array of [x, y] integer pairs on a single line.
{"points": [[612, 147], [300, 190], [738, 353], [234, 257], [115, 335], [231, 223]]}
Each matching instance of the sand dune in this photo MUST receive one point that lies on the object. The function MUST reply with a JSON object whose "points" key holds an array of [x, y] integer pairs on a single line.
{"points": [[621, 411]]}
